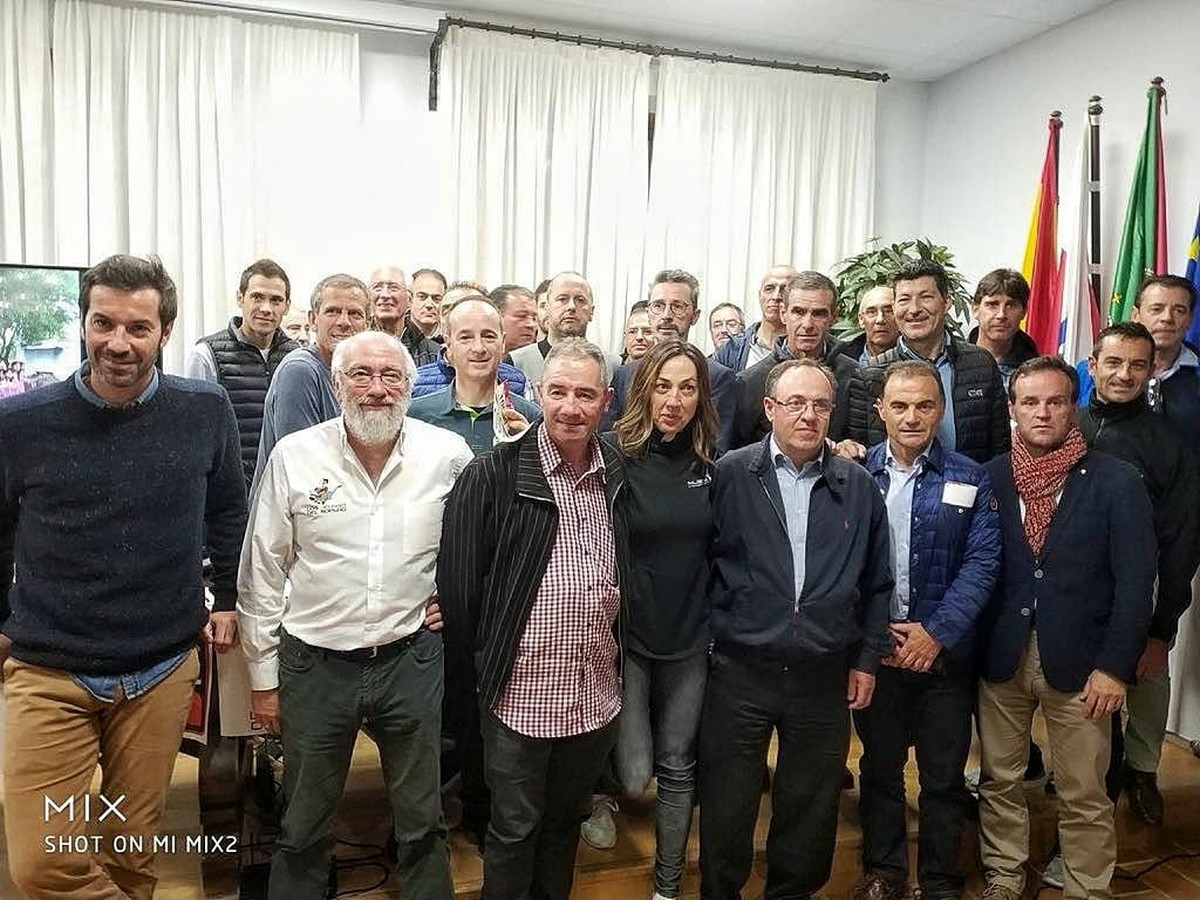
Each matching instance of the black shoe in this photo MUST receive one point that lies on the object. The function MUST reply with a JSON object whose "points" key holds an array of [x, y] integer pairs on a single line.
{"points": [[847, 780], [1144, 798], [1035, 771]]}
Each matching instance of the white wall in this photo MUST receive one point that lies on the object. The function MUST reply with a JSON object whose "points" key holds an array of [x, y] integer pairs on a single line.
{"points": [[986, 129], [901, 111]]}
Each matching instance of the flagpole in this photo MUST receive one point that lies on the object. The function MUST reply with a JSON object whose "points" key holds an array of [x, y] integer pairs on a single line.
{"points": [[1094, 111], [1056, 125]]}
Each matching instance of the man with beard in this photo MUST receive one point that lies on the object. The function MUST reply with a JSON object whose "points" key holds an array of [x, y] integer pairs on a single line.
{"points": [[391, 313], [301, 393], [350, 514], [724, 322], [569, 309], [109, 481]]}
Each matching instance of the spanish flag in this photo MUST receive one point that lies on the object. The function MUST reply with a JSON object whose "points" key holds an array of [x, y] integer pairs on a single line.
{"points": [[1144, 238], [1041, 251]]}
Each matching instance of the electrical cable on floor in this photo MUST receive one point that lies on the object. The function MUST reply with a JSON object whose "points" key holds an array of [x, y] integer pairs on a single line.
{"points": [[376, 859]]}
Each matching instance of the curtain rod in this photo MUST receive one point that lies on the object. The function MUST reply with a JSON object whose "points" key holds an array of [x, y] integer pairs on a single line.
{"points": [[654, 50]]}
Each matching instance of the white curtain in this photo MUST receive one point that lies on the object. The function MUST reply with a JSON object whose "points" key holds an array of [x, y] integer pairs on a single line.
{"points": [[1184, 714], [201, 138], [26, 226], [756, 167], [548, 165]]}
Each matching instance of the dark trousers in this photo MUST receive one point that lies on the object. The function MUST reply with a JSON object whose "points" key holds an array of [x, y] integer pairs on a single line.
{"points": [[541, 791], [743, 703], [931, 712], [323, 701]]}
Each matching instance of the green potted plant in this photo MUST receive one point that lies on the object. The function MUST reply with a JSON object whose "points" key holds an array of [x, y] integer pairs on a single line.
{"points": [[877, 265]]}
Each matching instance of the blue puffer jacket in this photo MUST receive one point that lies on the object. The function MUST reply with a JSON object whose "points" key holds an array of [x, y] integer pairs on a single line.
{"points": [[436, 375], [955, 550]]}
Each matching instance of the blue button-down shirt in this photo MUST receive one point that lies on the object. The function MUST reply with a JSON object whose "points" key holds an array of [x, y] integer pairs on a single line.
{"points": [[134, 684], [946, 430], [795, 488], [899, 500]]}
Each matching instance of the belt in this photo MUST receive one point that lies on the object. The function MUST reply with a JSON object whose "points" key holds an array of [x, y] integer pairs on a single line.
{"points": [[370, 654]]}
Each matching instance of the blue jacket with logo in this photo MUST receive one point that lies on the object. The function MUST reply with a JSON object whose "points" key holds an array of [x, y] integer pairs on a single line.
{"points": [[437, 375], [955, 550]]}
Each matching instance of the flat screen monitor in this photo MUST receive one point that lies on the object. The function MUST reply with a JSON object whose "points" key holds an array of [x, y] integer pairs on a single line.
{"points": [[40, 337]]}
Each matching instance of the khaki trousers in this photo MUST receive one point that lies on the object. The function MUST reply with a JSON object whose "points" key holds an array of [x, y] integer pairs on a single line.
{"points": [[55, 735], [1079, 753]]}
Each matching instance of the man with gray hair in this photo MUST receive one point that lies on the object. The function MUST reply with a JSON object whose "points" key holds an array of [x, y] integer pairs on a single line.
{"points": [[349, 512], [534, 549], [301, 393]]}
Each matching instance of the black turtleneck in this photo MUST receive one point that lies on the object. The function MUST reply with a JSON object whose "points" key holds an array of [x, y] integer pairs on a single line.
{"points": [[1131, 432], [670, 517]]}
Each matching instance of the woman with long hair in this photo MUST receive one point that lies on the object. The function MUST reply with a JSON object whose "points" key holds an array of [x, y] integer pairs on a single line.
{"points": [[666, 436]]}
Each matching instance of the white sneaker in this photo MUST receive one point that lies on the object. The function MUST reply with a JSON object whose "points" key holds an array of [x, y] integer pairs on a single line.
{"points": [[971, 780], [1053, 873], [600, 830], [657, 896]]}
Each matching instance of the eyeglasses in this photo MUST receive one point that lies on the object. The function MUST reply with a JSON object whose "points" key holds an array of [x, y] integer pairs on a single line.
{"points": [[363, 378], [796, 406], [678, 307]]}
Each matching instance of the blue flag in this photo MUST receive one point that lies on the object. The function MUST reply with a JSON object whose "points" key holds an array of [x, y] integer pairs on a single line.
{"points": [[1193, 275]]}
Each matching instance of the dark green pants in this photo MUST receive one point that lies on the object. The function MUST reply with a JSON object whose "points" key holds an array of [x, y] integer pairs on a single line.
{"points": [[323, 702]]}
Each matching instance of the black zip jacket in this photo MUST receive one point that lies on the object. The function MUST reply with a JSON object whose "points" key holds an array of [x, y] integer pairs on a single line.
{"points": [[1130, 431]]}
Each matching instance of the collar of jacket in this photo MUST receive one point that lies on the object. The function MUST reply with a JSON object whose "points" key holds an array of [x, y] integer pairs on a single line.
{"points": [[833, 472], [949, 347], [1115, 412], [830, 347], [531, 478], [876, 462]]}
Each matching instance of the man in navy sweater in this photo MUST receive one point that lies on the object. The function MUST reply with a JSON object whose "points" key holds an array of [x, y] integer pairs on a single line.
{"points": [[108, 484]]}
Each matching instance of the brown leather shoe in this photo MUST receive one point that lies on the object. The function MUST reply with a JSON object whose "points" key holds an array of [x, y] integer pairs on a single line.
{"points": [[876, 887]]}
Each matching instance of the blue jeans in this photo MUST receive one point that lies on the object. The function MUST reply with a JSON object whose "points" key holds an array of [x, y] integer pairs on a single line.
{"points": [[323, 701], [657, 733]]}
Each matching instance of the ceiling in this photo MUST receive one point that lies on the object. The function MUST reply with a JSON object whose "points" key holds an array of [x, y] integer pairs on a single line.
{"points": [[914, 39]]}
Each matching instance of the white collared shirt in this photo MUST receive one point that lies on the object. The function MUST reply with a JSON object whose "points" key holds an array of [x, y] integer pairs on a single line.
{"points": [[360, 557]]}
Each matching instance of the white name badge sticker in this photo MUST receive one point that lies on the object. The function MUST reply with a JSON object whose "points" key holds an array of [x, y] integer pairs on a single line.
{"points": [[958, 494]]}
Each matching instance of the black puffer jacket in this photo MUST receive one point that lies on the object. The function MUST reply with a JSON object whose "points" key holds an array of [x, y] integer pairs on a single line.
{"points": [[1146, 440], [981, 424]]}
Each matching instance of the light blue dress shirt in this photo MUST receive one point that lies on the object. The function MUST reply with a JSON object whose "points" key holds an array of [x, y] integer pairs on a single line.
{"points": [[795, 488], [899, 500], [946, 430]]}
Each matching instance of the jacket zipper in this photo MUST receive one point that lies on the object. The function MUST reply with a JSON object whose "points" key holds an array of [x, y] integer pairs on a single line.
{"points": [[782, 521]]}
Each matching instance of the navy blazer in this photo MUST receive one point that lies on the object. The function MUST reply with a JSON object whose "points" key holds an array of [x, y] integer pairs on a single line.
{"points": [[724, 397], [1089, 593]]}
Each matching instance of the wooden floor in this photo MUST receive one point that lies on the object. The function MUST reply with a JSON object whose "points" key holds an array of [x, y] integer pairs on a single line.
{"points": [[625, 873]]}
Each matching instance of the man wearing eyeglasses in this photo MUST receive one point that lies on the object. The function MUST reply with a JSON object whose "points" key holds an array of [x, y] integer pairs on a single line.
{"points": [[801, 586], [391, 311], [350, 513], [674, 307]]}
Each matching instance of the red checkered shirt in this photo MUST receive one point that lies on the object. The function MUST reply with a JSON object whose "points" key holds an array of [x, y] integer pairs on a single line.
{"points": [[564, 679]]}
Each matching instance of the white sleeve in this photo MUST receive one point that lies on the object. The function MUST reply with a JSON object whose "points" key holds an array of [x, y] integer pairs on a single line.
{"points": [[268, 553], [200, 364]]}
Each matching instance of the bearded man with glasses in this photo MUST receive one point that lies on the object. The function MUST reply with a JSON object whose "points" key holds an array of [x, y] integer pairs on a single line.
{"points": [[348, 645]]}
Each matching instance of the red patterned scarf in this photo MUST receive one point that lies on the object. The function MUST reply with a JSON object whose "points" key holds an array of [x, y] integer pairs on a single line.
{"points": [[1039, 480]]}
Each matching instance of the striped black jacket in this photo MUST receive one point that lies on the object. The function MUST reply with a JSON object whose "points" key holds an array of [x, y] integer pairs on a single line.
{"points": [[499, 527]]}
